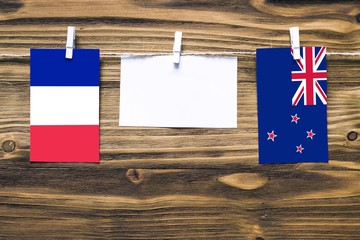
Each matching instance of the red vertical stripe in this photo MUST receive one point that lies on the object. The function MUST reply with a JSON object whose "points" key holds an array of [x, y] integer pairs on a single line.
{"points": [[64, 143], [309, 76]]}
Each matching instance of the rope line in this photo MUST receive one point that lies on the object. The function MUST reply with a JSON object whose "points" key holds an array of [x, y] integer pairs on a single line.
{"points": [[128, 54]]}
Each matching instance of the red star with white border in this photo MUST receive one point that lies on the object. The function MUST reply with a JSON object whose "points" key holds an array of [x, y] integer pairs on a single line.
{"points": [[310, 134], [271, 136], [299, 149], [294, 118]]}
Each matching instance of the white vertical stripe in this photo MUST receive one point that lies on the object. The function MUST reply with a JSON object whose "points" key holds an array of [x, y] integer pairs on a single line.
{"points": [[64, 105]]}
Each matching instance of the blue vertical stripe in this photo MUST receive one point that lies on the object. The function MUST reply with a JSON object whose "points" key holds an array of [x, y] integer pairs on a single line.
{"points": [[49, 67]]}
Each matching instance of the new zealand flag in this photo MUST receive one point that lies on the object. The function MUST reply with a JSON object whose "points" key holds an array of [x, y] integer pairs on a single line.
{"points": [[292, 105]]}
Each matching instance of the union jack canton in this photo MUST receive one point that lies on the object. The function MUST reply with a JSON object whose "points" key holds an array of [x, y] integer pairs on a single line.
{"points": [[309, 74]]}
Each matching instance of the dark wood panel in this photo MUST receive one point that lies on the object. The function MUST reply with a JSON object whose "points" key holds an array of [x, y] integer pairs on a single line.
{"points": [[166, 183]]}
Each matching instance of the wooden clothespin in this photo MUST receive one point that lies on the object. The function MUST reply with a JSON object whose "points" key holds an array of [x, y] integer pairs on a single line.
{"points": [[70, 42], [295, 42], [177, 47]]}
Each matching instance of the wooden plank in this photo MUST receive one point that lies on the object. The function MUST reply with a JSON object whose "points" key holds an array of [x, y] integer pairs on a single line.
{"points": [[186, 147], [83, 201], [149, 25], [179, 183]]}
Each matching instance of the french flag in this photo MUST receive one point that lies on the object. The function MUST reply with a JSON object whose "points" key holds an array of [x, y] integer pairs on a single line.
{"points": [[64, 105]]}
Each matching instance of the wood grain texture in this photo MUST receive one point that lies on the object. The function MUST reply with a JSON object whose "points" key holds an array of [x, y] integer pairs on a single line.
{"points": [[166, 183]]}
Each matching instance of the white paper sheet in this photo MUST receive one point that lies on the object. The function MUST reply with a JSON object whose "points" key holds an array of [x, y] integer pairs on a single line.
{"points": [[200, 92]]}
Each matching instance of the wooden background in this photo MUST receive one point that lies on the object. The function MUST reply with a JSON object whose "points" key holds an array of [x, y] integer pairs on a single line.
{"points": [[180, 183]]}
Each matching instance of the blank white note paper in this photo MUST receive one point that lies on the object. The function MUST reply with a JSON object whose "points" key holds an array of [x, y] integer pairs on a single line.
{"points": [[200, 92]]}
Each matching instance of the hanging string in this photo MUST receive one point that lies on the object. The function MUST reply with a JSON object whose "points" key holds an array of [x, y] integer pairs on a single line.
{"points": [[128, 54], [182, 53]]}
